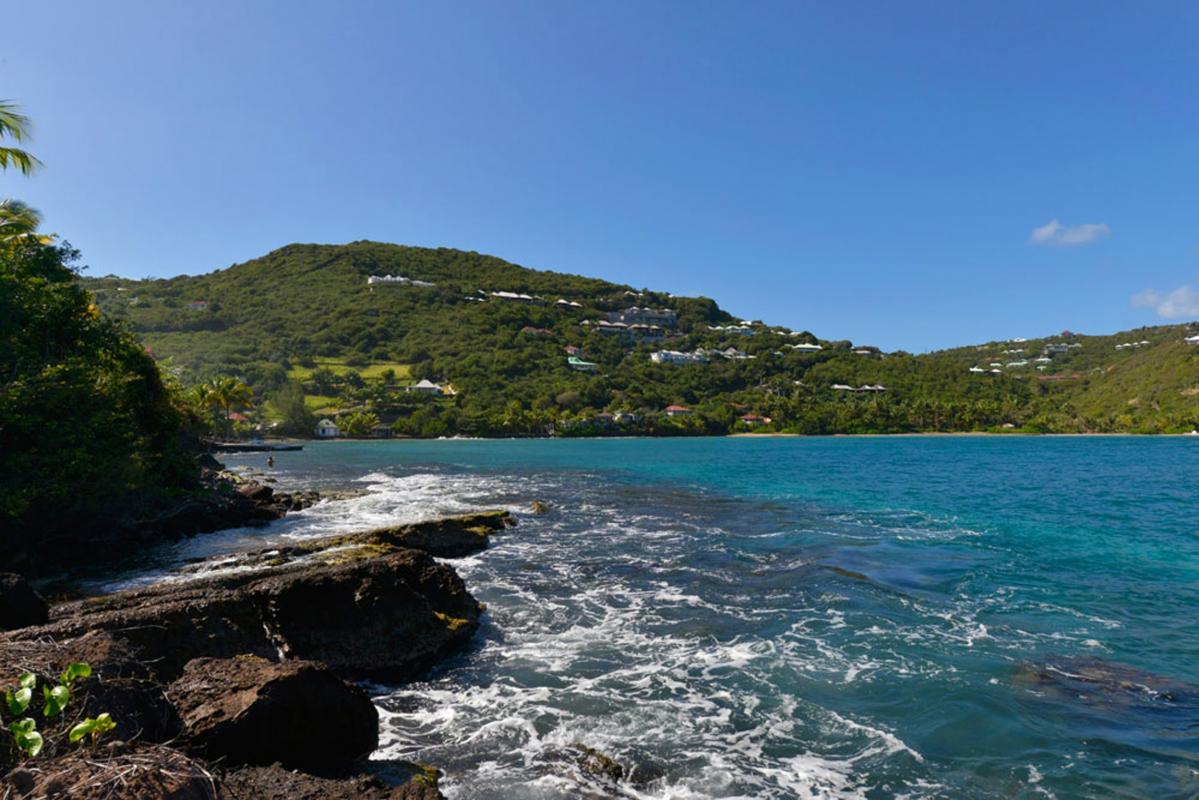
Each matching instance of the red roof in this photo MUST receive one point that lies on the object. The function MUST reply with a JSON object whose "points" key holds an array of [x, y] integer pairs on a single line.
{"points": [[676, 408], [236, 417]]}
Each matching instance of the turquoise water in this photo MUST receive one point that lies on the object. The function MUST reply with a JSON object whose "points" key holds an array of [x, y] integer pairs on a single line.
{"points": [[923, 617]]}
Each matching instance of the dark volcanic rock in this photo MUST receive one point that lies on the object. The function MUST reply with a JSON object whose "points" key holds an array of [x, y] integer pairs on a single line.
{"points": [[452, 537], [252, 711], [116, 773], [277, 783], [20, 605], [256, 491], [389, 616]]}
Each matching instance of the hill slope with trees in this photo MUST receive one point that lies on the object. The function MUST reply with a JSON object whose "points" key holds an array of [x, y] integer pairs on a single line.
{"points": [[308, 331]]}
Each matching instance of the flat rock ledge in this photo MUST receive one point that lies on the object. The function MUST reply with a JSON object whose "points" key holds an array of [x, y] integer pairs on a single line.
{"points": [[230, 684]]}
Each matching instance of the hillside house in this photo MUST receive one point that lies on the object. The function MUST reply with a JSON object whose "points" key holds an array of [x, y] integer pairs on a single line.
{"points": [[572, 350], [626, 417], [395, 280], [579, 365], [754, 419], [425, 386], [676, 357], [326, 429], [564, 303], [804, 348], [662, 317], [1192, 339], [195, 305], [517, 297], [677, 411], [1055, 348]]}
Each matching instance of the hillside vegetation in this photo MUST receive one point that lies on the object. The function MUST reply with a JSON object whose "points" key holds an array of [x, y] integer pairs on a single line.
{"points": [[303, 322]]}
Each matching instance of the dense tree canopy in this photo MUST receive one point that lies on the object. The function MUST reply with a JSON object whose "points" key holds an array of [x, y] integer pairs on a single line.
{"points": [[85, 417]]}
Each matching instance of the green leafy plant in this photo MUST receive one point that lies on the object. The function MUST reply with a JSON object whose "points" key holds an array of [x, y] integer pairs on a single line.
{"points": [[93, 727], [26, 737], [55, 698], [19, 700]]}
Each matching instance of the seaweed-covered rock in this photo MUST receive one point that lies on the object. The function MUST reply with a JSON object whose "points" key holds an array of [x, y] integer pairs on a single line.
{"points": [[276, 783], [116, 773], [387, 616], [452, 537], [252, 711], [20, 605]]}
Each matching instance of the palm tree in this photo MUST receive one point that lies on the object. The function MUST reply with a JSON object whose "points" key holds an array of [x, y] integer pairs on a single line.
{"points": [[227, 392], [19, 222], [16, 127]]}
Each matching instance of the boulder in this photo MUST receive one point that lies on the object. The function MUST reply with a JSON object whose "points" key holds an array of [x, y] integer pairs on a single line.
{"points": [[20, 605], [451, 537], [276, 783], [208, 461], [388, 616], [252, 711], [115, 773], [256, 491]]}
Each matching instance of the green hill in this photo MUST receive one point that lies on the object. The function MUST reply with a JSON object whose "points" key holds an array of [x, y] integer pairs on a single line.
{"points": [[306, 315]]}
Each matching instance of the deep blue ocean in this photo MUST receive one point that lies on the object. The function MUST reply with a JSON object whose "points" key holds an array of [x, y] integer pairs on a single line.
{"points": [[902, 617]]}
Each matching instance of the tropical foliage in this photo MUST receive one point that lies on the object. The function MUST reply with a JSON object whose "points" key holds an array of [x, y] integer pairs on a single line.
{"points": [[86, 418]]}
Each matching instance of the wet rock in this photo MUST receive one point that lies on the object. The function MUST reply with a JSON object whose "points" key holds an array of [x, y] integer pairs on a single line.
{"points": [[256, 491], [452, 537], [1096, 681], [114, 773], [597, 765], [276, 783], [208, 461], [20, 605], [539, 508], [252, 711], [387, 616]]}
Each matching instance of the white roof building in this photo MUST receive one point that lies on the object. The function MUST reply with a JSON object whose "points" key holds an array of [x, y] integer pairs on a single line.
{"points": [[326, 429], [424, 386]]}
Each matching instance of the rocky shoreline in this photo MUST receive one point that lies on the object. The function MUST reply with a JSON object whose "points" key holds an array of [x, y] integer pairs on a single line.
{"points": [[219, 500], [232, 679]]}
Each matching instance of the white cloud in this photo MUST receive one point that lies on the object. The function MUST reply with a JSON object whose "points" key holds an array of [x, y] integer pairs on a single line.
{"points": [[1058, 235], [1180, 303]]}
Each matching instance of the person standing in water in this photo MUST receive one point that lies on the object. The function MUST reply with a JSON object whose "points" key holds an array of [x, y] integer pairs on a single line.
{"points": [[270, 461]]}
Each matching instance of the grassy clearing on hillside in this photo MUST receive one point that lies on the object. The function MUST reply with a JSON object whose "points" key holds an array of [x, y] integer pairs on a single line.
{"points": [[339, 366], [319, 402]]}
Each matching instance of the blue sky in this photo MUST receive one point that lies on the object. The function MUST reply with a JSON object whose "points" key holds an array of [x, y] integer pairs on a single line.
{"points": [[884, 172]]}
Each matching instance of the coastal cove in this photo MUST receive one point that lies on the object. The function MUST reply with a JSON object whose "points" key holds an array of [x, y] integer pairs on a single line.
{"points": [[792, 617]]}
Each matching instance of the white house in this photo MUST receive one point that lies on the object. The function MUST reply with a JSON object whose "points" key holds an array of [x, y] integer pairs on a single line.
{"points": [[675, 357], [326, 429], [806, 348], [425, 386], [1192, 339], [395, 280]]}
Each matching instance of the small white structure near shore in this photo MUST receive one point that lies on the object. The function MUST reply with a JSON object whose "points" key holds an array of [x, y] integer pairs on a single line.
{"points": [[326, 429]]}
